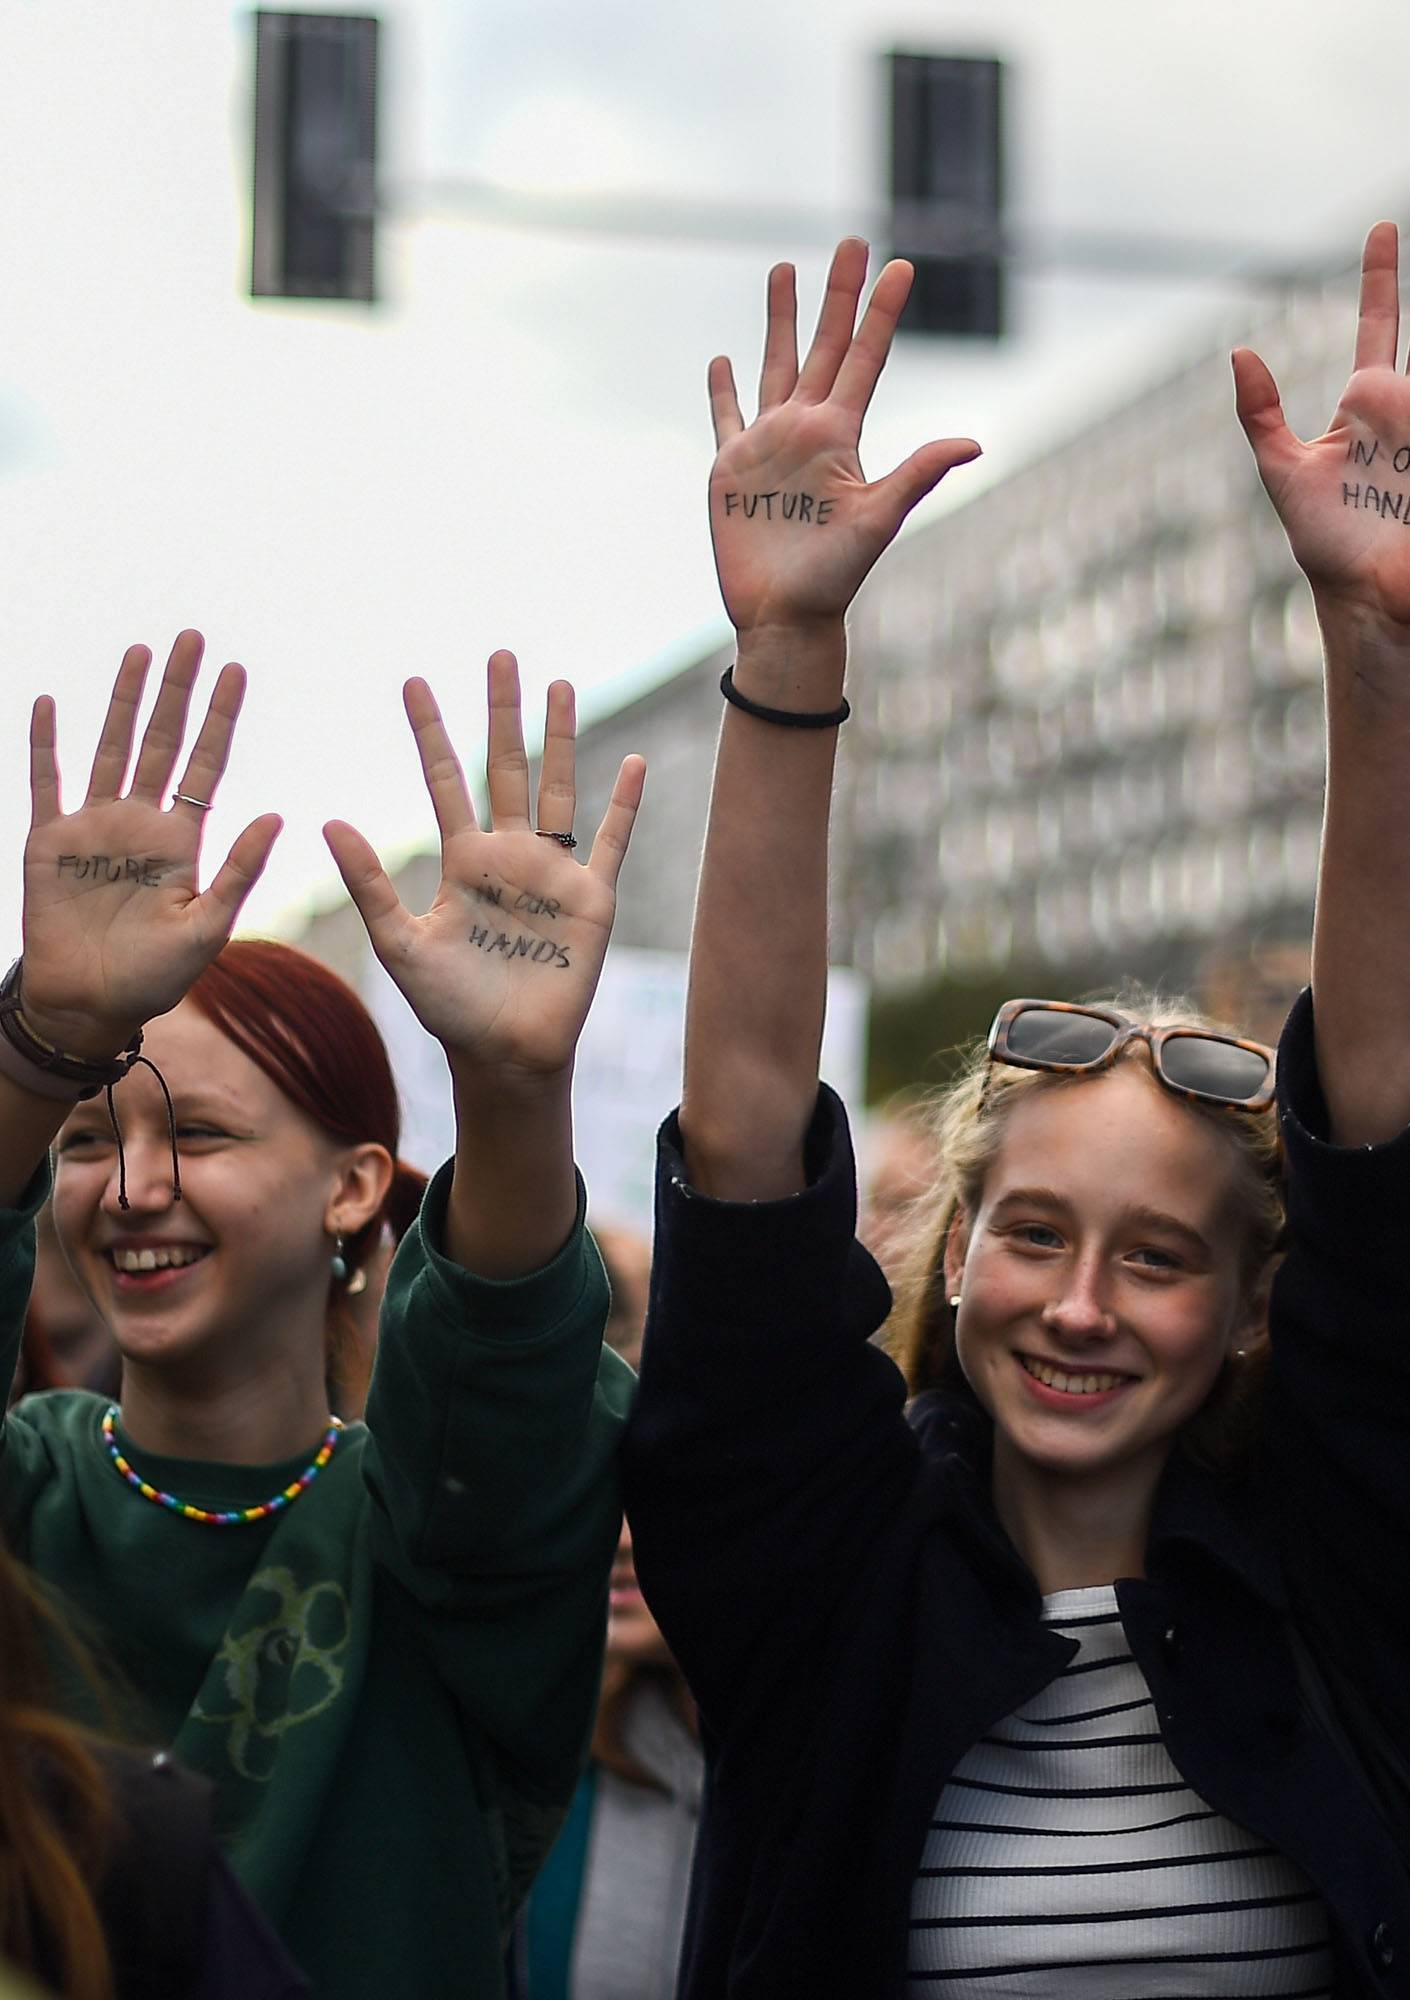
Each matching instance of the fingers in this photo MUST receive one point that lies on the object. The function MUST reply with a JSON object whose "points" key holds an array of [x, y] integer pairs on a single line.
{"points": [[835, 322], [779, 374], [43, 764], [1378, 317], [367, 883], [114, 751], [558, 794], [206, 765], [866, 356], [161, 741], [921, 473], [240, 871], [724, 401], [609, 849], [506, 766], [440, 767]]}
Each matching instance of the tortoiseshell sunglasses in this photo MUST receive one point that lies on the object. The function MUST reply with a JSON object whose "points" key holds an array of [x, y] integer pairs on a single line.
{"points": [[1204, 1068]]}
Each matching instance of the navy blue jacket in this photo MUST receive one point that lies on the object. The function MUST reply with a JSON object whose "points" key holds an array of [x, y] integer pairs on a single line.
{"points": [[851, 1616]]}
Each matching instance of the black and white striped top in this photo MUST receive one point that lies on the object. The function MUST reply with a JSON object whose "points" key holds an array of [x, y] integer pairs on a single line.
{"points": [[1068, 1859]]}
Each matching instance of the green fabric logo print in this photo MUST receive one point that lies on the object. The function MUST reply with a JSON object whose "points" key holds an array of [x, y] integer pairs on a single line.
{"points": [[280, 1663]]}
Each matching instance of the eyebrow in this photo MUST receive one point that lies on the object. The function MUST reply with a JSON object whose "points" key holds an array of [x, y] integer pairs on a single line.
{"points": [[1140, 1213]]}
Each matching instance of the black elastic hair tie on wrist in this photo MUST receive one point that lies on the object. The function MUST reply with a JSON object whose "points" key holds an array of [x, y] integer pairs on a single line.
{"points": [[786, 718]]}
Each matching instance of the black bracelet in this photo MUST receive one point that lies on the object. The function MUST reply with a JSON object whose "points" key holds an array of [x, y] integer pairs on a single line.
{"points": [[786, 718]]}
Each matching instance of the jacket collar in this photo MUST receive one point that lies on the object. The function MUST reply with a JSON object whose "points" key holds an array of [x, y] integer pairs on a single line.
{"points": [[1197, 1514]]}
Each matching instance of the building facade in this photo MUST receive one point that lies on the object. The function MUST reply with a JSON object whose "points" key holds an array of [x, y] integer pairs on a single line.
{"points": [[1087, 713]]}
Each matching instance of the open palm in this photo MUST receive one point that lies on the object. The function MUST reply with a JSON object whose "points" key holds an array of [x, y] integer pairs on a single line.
{"points": [[796, 524], [503, 966], [1344, 498], [116, 927]]}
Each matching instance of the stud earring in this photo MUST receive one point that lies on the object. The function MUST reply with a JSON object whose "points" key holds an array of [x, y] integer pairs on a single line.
{"points": [[338, 1264], [954, 1302]]}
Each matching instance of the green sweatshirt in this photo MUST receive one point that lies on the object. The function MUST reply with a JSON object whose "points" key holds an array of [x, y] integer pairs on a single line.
{"points": [[392, 1683]]}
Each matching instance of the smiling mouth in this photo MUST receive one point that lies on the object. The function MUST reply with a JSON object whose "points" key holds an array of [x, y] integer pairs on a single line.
{"points": [[170, 1257], [1090, 1382]]}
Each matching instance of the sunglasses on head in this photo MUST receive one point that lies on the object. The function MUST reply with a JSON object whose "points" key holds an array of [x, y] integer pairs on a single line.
{"points": [[1072, 1040]]}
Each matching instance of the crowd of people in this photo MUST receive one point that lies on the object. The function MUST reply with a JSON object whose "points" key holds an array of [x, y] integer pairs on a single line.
{"points": [[1029, 1624]]}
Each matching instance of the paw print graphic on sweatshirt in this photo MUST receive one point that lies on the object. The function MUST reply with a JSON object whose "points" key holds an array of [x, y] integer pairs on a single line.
{"points": [[280, 1663]]}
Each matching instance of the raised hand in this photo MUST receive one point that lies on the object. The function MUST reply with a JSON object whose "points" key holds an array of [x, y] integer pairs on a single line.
{"points": [[503, 966], [796, 525], [116, 927], [1344, 497]]}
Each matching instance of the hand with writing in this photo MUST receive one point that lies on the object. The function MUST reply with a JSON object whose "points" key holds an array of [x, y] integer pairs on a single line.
{"points": [[1344, 498], [115, 926], [796, 524], [503, 966]]}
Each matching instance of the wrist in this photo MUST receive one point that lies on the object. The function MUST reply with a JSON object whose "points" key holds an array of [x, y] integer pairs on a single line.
{"points": [[51, 1057], [1347, 621], [793, 666], [508, 1091]]}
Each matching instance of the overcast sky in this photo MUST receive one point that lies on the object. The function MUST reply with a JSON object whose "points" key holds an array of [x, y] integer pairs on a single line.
{"points": [[511, 449]]}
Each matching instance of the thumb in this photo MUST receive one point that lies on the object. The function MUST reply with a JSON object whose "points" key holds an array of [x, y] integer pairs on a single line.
{"points": [[367, 883], [921, 473], [1259, 409]]}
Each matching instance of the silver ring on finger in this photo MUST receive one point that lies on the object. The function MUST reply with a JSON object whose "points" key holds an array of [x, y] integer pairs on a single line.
{"points": [[185, 799], [565, 840]]}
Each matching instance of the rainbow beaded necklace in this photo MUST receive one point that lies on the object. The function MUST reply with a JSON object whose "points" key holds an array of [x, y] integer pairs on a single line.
{"points": [[237, 1518]]}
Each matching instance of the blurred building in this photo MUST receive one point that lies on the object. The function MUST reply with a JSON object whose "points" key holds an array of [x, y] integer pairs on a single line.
{"points": [[1087, 713]]}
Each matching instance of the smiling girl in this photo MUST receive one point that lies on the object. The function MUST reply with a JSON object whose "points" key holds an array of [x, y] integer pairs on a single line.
{"points": [[1027, 1690], [380, 1642]]}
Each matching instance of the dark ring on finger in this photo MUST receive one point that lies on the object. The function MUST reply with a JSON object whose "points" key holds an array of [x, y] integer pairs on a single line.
{"points": [[564, 839]]}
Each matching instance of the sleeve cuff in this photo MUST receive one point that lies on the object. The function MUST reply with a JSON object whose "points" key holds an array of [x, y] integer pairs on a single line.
{"points": [[1342, 1195], [786, 1267], [493, 1307], [32, 1199]]}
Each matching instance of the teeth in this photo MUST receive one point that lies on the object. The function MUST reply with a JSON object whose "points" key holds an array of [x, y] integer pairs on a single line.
{"points": [[1071, 1385], [173, 1258]]}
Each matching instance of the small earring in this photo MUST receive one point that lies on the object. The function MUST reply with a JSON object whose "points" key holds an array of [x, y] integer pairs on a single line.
{"points": [[339, 1264], [954, 1301]]}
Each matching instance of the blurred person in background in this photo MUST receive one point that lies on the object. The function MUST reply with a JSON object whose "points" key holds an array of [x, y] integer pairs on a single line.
{"points": [[1066, 1681], [604, 1918], [900, 1169], [1256, 986], [67, 1344], [380, 1643]]}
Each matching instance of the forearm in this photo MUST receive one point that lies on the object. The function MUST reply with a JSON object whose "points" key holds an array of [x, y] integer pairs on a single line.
{"points": [[513, 1197], [28, 1123], [758, 969], [1361, 938]]}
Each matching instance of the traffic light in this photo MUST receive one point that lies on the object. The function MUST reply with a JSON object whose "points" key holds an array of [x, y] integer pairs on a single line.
{"points": [[315, 156], [947, 190]]}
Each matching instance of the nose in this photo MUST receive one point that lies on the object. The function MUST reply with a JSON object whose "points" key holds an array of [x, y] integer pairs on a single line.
{"points": [[145, 1167], [1080, 1311]]}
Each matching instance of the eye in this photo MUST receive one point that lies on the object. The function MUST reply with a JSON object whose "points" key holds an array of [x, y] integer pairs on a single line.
{"points": [[1038, 1235], [193, 1134], [85, 1141], [1152, 1258]]}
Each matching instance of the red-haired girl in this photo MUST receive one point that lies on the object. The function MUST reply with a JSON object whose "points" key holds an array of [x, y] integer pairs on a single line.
{"points": [[1053, 1689], [380, 1642]]}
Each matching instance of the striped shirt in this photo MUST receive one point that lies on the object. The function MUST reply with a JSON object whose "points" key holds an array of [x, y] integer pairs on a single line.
{"points": [[1069, 1860]]}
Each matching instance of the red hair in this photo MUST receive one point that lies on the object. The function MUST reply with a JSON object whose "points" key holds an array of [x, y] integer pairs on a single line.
{"points": [[316, 1042]]}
